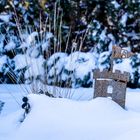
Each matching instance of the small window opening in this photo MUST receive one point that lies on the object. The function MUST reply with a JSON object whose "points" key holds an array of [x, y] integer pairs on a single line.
{"points": [[110, 89]]}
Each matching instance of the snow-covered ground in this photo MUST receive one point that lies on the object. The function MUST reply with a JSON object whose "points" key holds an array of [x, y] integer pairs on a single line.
{"points": [[81, 118]]}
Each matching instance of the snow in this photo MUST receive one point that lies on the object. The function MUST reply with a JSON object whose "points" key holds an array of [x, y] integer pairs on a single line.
{"points": [[102, 59], [79, 66], [123, 19], [49, 35], [11, 45], [125, 65], [55, 56], [31, 38], [9, 124], [5, 17], [45, 46], [81, 63], [46, 41], [131, 135], [67, 119], [55, 65], [12, 95], [77, 120], [110, 46], [1, 105], [35, 67], [116, 4], [2, 37], [20, 61], [76, 66], [58, 67], [103, 35], [3, 60], [94, 33]]}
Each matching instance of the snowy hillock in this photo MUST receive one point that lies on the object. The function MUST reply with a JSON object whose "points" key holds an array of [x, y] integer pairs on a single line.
{"points": [[63, 119], [78, 118]]}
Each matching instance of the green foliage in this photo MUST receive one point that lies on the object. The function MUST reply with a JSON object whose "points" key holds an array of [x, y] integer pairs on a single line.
{"points": [[90, 25]]}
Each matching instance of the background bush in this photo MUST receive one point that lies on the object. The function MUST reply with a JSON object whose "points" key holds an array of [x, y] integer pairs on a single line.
{"points": [[31, 31]]}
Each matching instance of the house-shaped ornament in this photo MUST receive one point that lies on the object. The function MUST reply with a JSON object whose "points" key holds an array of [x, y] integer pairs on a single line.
{"points": [[109, 84], [112, 84]]}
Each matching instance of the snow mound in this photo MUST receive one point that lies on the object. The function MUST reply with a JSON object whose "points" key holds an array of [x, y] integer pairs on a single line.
{"points": [[63, 119]]}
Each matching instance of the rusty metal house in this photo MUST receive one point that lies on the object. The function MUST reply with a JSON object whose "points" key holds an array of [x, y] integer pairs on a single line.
{"points": [[111, 84]]}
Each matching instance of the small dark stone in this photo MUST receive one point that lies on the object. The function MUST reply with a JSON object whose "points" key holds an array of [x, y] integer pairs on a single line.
{"points": [[24, 105], [25, 99]]}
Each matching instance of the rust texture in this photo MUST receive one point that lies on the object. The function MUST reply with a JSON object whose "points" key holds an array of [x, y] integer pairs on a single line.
{"points": [[116, 80]]}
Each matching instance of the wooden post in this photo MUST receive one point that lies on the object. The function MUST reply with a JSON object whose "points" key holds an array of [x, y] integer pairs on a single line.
{"points": [[111, 63]]}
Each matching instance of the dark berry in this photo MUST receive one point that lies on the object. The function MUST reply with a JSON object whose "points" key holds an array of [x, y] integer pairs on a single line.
{"points": [[24, 105], [25, 99]]}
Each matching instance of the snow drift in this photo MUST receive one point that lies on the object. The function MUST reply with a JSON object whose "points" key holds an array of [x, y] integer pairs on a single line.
{"points": [[63, 119]]}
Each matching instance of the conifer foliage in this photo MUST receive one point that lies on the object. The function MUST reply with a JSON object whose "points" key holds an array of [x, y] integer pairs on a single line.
{"points": [[35, 29]]}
